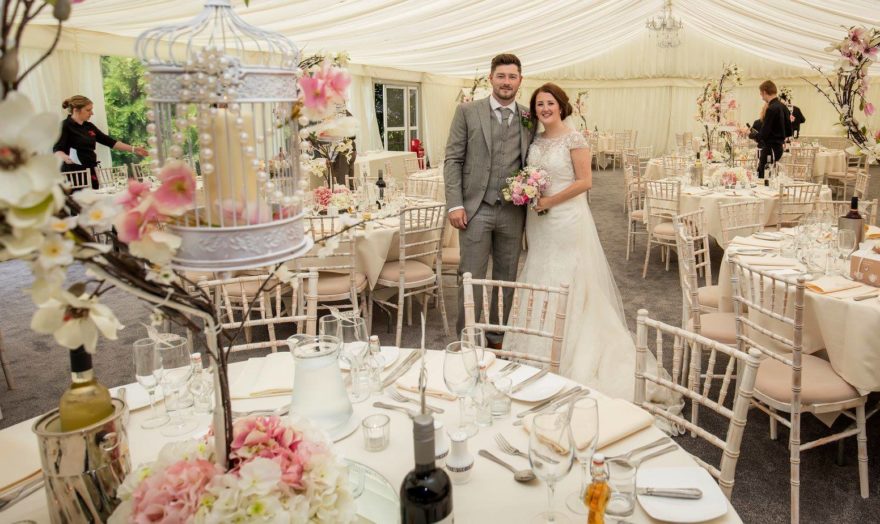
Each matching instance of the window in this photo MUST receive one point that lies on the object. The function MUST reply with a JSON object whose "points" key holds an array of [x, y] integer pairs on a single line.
{"points": [[397, 111]]}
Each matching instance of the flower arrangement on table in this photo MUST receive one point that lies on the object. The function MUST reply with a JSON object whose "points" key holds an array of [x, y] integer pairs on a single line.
{"points": [[733, 176], [847, 87], [526, 186], [580, 110], [278, 473], [339, 197], [716, 104]]}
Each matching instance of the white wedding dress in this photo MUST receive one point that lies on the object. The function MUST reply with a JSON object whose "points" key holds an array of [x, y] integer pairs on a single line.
{"points": [[563, 248]]}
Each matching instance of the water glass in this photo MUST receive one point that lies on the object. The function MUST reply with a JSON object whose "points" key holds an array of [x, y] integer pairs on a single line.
{"points": [[500, 396], [846, 244], [377, 432], [461, 372], [622, 480], [148, 372], [584, 426], [550, 454], [176, 372]]}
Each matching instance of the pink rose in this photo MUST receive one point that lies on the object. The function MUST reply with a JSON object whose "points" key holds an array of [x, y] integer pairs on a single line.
{"points": [[173, 495]]}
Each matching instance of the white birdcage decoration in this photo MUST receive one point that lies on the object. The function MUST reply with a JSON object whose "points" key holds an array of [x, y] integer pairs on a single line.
{"points": [[220, 94]]}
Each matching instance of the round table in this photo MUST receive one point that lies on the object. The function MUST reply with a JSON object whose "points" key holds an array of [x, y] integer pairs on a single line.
{"points": [[828, 161], [845, 328], [491, 495]]}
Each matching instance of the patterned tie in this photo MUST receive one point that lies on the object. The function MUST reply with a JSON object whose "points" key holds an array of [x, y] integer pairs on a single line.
{"points": [[505, 115]]}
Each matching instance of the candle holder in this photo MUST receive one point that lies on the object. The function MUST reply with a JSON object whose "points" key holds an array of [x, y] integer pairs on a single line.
{"points": [[221, 97]]}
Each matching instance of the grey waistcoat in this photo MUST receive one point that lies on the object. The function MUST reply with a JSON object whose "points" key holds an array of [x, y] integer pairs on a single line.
{"points": [[506, 156]]}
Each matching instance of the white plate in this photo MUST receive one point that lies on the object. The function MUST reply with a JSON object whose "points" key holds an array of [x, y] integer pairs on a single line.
{"points": [[712, 505], [544, 388], [389, 353]]}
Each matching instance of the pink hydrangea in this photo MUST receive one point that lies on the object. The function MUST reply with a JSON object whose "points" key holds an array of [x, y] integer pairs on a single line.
{"points": [[173, 495], [322, 196], [271, 438], [177, 191]]}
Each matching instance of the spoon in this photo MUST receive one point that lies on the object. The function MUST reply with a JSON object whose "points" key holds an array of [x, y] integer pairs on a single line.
{"points": [[519, 475]]}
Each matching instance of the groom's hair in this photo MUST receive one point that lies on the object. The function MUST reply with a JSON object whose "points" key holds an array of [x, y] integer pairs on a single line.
{"points": [[556, 92], [506, 59]]}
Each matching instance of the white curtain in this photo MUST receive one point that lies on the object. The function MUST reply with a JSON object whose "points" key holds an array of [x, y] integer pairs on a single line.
{"points": [[362, 106], [62, 75]]}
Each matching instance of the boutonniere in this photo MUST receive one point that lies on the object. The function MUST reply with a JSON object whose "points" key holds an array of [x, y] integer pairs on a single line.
{"points": [[525, 119], [92, 134]]}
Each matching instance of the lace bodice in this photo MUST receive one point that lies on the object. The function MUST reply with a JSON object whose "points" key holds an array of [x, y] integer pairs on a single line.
{"points": [[553, 155]]}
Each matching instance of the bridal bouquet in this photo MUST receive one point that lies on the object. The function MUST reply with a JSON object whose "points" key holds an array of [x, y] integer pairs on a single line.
{"points": [[526, 186], [278, 473]]}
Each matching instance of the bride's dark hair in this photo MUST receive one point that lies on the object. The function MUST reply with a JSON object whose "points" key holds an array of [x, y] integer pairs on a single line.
{"points": [[556, 92]]}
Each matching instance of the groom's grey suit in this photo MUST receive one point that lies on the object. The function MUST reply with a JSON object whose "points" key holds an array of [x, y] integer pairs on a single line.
{"points": [[483, 150]]}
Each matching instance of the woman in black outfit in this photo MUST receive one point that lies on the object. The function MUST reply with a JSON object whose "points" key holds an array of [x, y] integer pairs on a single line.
{"points": [[78, 134]]}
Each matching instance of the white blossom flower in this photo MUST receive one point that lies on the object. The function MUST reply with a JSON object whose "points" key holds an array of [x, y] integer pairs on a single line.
{"points": [[75, 321], [61, 225], [340, 127], [162, 275], [20, 242], [47, 282], [156, 246], [284, 274], [55, 251], [157, 318], [38, 214], [29, 168], [328, 247], [100, 215]]}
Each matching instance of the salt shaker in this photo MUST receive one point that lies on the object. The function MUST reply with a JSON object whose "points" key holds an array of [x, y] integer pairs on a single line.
{"points": [[441, 447], [460, 462]]}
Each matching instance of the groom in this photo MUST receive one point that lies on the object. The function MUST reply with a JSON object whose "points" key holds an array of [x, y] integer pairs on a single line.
{"points": [[488, 142]]}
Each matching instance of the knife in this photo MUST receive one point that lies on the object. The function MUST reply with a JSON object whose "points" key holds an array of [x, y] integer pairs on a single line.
{"points": [[673, 493], [866, 297], [534, 378], [401, 368], [564, 395]]}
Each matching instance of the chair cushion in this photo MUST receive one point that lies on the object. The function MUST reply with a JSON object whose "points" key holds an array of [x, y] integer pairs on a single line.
{"points": [[709, 296], [250, 288], [665, 229], [637, 215], [819, 383], [720, 327], [451, 256], [338, 283], [414, 271]]}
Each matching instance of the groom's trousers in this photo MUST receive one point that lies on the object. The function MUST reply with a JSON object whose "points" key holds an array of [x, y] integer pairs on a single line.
{"points": [[496, 231]]}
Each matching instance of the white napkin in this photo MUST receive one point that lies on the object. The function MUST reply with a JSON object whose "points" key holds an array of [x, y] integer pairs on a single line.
{"points": [[831, 284], [755, 242], [618, 419], [768, 261], [264, 377]]}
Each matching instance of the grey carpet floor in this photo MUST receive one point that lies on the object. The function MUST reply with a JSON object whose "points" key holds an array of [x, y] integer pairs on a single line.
{"points": [[829, 493]]}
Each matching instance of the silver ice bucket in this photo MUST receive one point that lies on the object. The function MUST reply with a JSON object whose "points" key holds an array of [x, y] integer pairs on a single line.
{"points": [[82, 469]]}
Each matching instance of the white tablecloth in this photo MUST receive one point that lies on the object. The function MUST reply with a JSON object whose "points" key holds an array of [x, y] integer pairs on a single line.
{"points": [[490, 496], [369, 163], [845, 328], [829, 161]]}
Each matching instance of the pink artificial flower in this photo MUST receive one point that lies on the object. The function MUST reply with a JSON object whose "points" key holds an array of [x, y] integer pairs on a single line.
{"points": [[336, 80], [177, 191], [130, 226], [173, 495], [731, 104], [877, 136], [869, 109], [132, 196], [321, 196], [315, 95], [271, 438]]}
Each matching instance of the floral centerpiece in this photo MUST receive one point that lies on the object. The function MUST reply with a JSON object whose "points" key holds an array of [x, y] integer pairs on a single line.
{"points": [[339, 197], [716, 104], [526, 186], [278, 473], [733, 176], [847, 87]]}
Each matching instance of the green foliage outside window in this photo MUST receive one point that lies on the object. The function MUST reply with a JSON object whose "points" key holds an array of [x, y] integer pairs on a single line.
{"points": [[124, 99]]}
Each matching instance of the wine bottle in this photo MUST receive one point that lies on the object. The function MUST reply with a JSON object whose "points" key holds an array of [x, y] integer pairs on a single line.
{"points": [[86, 401], [853, 221], [380, 183], [854, 208], [426, 491]]}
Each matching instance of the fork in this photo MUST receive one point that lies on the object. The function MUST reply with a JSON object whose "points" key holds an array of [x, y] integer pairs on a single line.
{"points": [[628, 455], [398, 397], [507, 447], [508, 369]]}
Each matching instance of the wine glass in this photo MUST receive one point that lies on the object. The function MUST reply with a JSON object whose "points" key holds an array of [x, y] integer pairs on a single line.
{"points": [[176, 372], [148, 372], [846, 244], [461, 371], [584, 426], [550, 454], [477, 338]]}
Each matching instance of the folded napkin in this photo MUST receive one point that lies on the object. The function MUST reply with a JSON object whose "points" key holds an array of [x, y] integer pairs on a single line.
{"points": [[755, 242], [831, 284], [768, 261], [264, 377], [618, 419], [872, 233]]}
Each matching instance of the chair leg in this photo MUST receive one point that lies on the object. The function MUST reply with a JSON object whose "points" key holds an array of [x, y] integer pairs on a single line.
{"points": [[862, 440], [443, 313], [401, 301], [774, 428], [647, 256], [6, 373], [668, 256], [795, 482], [629, 237]]}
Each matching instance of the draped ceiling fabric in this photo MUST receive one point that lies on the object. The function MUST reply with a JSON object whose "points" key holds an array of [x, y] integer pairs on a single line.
{"points": [[601, 45]]}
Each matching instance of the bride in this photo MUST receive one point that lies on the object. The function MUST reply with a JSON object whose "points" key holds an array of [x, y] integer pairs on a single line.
{"points": [[564, 248]]}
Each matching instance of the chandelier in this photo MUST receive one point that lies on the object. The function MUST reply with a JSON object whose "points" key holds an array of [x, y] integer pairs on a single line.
{"points": [[665, 27]]}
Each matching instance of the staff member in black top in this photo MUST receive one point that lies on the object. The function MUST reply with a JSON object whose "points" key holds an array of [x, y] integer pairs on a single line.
{"points": [[797, 117], [775, 128], [79, 134]]}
